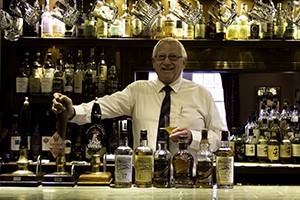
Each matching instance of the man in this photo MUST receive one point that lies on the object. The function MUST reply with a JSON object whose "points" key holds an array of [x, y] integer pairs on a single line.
{"points": [[191, 104]]}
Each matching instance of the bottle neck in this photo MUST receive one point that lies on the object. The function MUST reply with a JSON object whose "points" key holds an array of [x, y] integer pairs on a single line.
{"points": [[144, 142], [224, 143], [162, 145]]}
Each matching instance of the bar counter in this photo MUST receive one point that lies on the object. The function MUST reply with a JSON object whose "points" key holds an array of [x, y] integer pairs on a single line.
{"points": [[96, 192]]}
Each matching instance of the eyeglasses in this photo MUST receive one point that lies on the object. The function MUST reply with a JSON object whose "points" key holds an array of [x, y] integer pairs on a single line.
{"points": [[172, 57]]}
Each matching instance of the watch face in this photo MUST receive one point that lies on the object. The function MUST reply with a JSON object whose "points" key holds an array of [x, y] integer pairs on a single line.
{"points": [[95, 135]]}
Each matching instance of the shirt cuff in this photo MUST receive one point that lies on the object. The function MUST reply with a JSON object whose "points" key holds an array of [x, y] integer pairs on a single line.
{"points": [[196, 138], [81, 117]]}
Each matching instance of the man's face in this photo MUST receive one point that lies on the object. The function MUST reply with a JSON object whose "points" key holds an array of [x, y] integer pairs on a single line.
{"points": [[168, 62]]}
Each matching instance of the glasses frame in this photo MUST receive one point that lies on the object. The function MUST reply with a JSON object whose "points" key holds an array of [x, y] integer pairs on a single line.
{"points": [[172, 57]]}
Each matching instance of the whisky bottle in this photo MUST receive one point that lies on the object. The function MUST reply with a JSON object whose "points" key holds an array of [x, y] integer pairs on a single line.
{"points": [[250, 145], [183, 163], [59, 77], [162, 162], [79, 25], [296, 148], [262, 147], [46, 134], [178, 29], [69, 75], [239, 147], [232, 29], [14, 139], [102, 75], [22, 78], [101, 28], [123, 162], [46, 22], [143, 162], [244, 27], [159, 26], [225, 164], [35, 149], [125, 21], [200, 29], [47, 79], [112, 79], [79, 74], [280, 22], [137, 26], [35, 78], [114, 138], [189, 31], [210, 28], [205, 161], [273, 148], [255, 29], [170, 22], [285, 150], [90, 75]]}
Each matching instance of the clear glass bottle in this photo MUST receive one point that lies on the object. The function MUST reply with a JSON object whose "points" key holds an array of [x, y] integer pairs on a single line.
{"points": [[170, 22], [101, 28], [102, 75], [232, 29], [69, 75], [159, 26], [123, 162], [79, 74], [47, 22], [244, 27], [125, 21], [280, 22], [162, 162], [143, 162], [47, 79], [250, 145], [35, 78], [183, 163], [112, 79], [205, 161], [225, 164], [137, 26], [79, 25]]}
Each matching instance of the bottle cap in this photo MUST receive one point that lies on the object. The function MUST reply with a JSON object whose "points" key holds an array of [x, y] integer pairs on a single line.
{"points": [[143, 133]]}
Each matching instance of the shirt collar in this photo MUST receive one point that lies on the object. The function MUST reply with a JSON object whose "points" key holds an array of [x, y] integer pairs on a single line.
{"points": [[175, 85]]}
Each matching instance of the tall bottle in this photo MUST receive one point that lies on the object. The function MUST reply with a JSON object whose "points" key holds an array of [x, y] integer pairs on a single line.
{"points": [[240, 147], [143, 162], [205, 161], [47, 80], [200, 29], [183, 163], [296, 148], [79, 74], [273, 148], [114, 138], [159, 26], [102, 75], [79, 25], [69, 75], [225, 164], [46, 134], [89, 75], [262, 147], [162, 162], [112, 79], [35, 149], [137, 26], [123, 162], [35, 78], [250, 147], [14, 138], [101, 28], [170, 22], [232, 29], [22, 79], [59, 76], [280, 22], [285, 150], [125, 21], [210, 28], [47, 21], [244, 27]]}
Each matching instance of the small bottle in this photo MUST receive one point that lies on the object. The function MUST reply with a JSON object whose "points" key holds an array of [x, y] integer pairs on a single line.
{"points": [[123, 162], [143, 162], [273, 148], [296, 149], [205, 161], [250, 145], [285, 155], [112, 79], [14, 139], [183, 163], [162, 162], [225, 164]]}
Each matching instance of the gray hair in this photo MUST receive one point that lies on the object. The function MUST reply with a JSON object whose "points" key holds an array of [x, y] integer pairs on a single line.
{"points": [[169, 40]]}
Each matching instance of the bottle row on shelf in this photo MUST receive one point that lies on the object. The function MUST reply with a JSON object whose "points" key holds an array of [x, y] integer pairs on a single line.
{"points": [[67, 75]]}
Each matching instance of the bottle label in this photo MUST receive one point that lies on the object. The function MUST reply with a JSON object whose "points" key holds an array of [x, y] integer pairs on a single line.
{"points": [[58, 85], [224, 170], [262, 150], [21, 84], [123, 171], [161, 171], [250, 149], [204, 172], [137, 27], [143, 169], [47, 85], [296, 150], [69, 82], [273, 152], [15, 143], [68, 145], [285, 150], [45, 141], [232, 145], [35, 85], [78, 79]]}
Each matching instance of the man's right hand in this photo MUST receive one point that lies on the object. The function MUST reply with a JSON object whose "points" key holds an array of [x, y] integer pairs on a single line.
{"points": [[63, 103]]}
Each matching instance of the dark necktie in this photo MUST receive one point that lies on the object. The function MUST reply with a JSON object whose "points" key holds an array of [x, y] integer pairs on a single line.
{"points": [[165, 108]]}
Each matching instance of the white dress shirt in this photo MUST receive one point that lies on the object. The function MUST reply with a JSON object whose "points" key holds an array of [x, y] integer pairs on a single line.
{"points": [[191, 103]]}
